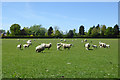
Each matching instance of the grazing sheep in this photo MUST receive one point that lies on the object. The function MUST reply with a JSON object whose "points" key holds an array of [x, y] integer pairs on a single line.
{"points": [[48, 45], [19, 46], [58, 44], [40, 48], [61, 40], [87, 46], [34, 39], [85, 40], [26, 45], [29, 42], [66, 46], [94, 46], [102, 44], [82, 41], [108, 46], [58, 47], [64, 40]]}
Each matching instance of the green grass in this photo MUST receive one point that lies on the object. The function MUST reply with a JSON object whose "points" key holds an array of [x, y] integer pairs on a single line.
{"points": [[26, 63]]}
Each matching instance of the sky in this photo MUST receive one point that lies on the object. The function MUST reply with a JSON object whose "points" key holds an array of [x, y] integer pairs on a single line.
{"points": [[66, 15]]}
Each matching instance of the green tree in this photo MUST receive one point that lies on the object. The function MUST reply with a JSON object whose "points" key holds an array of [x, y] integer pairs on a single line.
{"points": [[109, 31], [50, 31], [27, 31], [90, 31], [116, 30], [2, 31], [70, 33], [94, 32], [103, 29], [8, 33], [15, 29], [37, 30], [57, 33], [81, 30]]}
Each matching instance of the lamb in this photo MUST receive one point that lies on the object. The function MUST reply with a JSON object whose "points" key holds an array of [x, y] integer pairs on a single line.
{"points": [[19, 46], [48, 45], [94, 46], [87, 46], [26, 45], [66, 46], [108, 46], [40, 48]]}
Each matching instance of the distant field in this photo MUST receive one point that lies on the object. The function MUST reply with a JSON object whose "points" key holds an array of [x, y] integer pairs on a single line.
{"points": [[74, 63]]}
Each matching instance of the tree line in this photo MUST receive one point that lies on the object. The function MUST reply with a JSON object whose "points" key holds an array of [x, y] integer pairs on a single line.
{"points": [[39, 31]]}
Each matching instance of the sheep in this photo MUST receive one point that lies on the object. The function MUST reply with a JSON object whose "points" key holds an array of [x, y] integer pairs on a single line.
{"points": [[94, 46], [19, 46], [26, 45], [58, 44], [58, 47], [40, 48], [34, 39], [64, 40], [108, 46], [102, 44], [29, 42], [82, 41], [66, 46], [87, 46], [61, 39], [85, 40], [48, 45]]}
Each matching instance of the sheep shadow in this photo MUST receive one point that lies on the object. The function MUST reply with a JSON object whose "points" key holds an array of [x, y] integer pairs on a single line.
{"points": [[90, 49]]}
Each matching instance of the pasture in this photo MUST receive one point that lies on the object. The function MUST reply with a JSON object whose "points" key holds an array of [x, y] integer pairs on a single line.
{"points": [[74, 63]]}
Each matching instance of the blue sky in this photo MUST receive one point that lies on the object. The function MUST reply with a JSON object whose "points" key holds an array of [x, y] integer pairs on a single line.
{"points": [[65, 15]]}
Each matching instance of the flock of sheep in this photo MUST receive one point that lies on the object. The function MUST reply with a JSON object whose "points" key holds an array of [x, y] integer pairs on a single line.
{"points": [[42, 47], [101, 44]]}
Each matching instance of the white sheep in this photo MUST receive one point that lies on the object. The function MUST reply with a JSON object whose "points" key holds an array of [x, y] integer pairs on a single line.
{"points": [[29, 42], [85, 40], [82, 41], [58, 47], [102, 44], [108, 46], [61, 39], [26, 45], [64, 40], [58, 44], [19, 46], [48, 45], [66, 46], [87, 46], [40, 48], [94, 46]]}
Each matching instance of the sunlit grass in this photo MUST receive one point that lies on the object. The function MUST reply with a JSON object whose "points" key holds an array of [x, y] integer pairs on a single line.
{"points": [[74, 63]]}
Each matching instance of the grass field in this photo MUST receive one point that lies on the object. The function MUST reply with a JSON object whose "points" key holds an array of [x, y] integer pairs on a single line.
{"points": [[74, 63]]}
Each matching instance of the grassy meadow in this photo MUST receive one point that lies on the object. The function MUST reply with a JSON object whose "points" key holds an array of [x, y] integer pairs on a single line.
{"points": [[74, 63]]}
